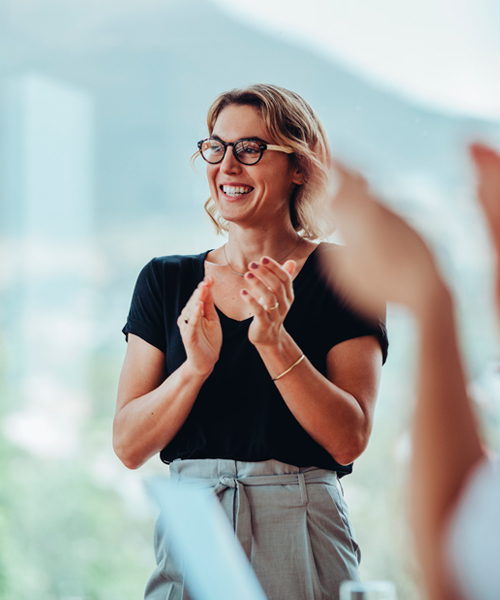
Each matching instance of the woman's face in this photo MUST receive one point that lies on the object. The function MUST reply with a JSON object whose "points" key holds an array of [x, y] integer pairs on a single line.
{"points": [[250, 194]]}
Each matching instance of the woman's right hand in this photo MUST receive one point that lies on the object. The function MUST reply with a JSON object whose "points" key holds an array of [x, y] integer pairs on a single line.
{"points": [[200, 329]]}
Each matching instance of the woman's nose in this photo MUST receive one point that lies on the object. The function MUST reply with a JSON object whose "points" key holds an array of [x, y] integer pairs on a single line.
{"points": [[229, 163]]}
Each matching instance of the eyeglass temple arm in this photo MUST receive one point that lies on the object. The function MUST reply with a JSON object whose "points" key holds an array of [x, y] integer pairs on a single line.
{"points": [[286, 149]]}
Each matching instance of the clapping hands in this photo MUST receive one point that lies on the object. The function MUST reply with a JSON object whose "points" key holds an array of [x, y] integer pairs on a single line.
{"points": [[269, 295], [200, 329]]}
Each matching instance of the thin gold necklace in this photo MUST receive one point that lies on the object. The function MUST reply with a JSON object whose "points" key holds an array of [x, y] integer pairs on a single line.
{"points": [[279, 261]]}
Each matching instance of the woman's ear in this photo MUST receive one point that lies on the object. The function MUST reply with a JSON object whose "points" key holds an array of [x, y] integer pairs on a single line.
{"points": [[297, 177]]}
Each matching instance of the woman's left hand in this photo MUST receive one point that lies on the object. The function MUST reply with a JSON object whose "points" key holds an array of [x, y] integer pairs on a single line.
{"points": [[269, 296]]}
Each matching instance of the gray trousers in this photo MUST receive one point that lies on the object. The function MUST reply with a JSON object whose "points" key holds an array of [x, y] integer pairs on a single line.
{"points": [[292, 522]]}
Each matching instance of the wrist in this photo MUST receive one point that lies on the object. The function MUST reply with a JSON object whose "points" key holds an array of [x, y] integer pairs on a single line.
{"points": [[194, 372], [279, 346], [280, 356]]}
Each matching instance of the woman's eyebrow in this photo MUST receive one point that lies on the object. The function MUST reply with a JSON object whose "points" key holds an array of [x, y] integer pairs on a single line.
{"points": [[251, 137]]}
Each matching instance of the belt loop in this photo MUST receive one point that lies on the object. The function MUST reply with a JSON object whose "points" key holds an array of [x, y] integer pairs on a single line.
{"points": [[303, 488], [339, 483]]}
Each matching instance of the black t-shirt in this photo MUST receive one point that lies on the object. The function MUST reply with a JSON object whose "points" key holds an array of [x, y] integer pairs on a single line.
{"points": [[239, 413]]}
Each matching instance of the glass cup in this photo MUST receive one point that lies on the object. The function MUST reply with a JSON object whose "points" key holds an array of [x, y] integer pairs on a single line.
{"points": [[367, 590]]}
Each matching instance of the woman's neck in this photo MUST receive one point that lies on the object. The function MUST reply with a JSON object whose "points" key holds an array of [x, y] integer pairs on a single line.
{"points": [[244, 246]]}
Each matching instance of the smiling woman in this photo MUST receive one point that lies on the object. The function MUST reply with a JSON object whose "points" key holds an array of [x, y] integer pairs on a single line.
{"points": [[291, 122], [247, 372]]}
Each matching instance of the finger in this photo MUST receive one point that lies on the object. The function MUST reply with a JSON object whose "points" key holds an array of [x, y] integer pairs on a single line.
{"points": [[352, 191], [345, 173], [201, 292], [266, 276], [256, 309], [194, 298], [260, 290], [487, 163], [198, 294], [275, 277], [279, 278], [197, 315], [480, 150], [190, 328], [210, 312], [290, 266], [276, 269]]}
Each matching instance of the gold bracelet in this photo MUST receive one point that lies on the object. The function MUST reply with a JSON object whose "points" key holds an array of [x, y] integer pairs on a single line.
{"points": [[290, 368]]}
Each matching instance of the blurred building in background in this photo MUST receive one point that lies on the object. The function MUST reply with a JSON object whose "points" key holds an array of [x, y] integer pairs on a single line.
{"points": [[47, 218]]}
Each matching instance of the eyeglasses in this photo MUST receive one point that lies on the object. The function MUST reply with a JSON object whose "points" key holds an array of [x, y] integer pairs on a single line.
{"points": [[247, 151]]}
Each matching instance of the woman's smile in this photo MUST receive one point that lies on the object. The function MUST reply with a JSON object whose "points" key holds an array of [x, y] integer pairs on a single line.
{"points": [[235, 190]]}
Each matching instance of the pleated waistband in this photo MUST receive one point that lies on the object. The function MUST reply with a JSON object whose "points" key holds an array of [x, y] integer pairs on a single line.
{"points": [[234, 477]]}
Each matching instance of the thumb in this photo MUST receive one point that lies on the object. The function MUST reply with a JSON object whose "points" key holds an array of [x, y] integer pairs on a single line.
{"points": [[290, 266], [209, 309]]}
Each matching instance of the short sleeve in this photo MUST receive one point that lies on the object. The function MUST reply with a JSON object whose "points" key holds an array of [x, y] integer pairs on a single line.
{"points": [[146, 315], [353, 324], [347, 322], [472, 545]]}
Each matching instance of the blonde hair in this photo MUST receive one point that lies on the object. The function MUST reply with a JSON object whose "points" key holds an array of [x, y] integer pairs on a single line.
{"points": [[290, 122]]}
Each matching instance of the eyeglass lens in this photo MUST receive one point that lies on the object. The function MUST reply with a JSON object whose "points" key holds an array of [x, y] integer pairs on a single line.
{"points": [[246, 151]]}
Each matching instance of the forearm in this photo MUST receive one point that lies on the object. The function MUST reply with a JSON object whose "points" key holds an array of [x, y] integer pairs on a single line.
{"points": [[146, 424], [446, 443], [332, 416]]}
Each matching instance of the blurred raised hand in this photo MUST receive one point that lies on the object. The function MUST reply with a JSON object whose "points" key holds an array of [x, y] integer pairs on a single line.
{"points": [[384, 260], [487, 163]]}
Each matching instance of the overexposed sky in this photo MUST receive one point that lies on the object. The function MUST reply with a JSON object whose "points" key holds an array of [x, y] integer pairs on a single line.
{"points": [[443, 53]]}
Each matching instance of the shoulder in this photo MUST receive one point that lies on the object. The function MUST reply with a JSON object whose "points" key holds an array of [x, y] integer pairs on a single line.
{"points": [[325, 259], [178, 261], [162, 266], [166, 275]]}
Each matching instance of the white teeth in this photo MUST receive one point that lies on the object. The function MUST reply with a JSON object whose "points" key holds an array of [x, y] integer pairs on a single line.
{"points": [[232, 190]]}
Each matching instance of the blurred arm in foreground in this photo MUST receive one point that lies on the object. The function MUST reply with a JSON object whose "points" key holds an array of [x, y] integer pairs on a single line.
{"points": [[386, 260]]}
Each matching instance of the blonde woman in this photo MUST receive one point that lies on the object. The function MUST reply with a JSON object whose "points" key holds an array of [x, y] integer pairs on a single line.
{"points": [[243, 369]]}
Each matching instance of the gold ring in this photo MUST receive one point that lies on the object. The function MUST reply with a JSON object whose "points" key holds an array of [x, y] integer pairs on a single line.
{"points": [[275, 306]]}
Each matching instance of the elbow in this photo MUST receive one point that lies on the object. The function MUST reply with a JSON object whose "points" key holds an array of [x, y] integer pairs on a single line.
{"points": [[126, 453], [350, 451], [130, 462], [128, 459]]}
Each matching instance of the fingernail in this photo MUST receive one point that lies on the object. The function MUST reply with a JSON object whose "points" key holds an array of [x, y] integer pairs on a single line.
{"points": [[244, 293], [265, 261], [254, 265], [250, 276]]}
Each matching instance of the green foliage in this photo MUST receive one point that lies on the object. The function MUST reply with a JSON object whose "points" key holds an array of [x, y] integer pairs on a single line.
{"points": [[63, 535]]}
